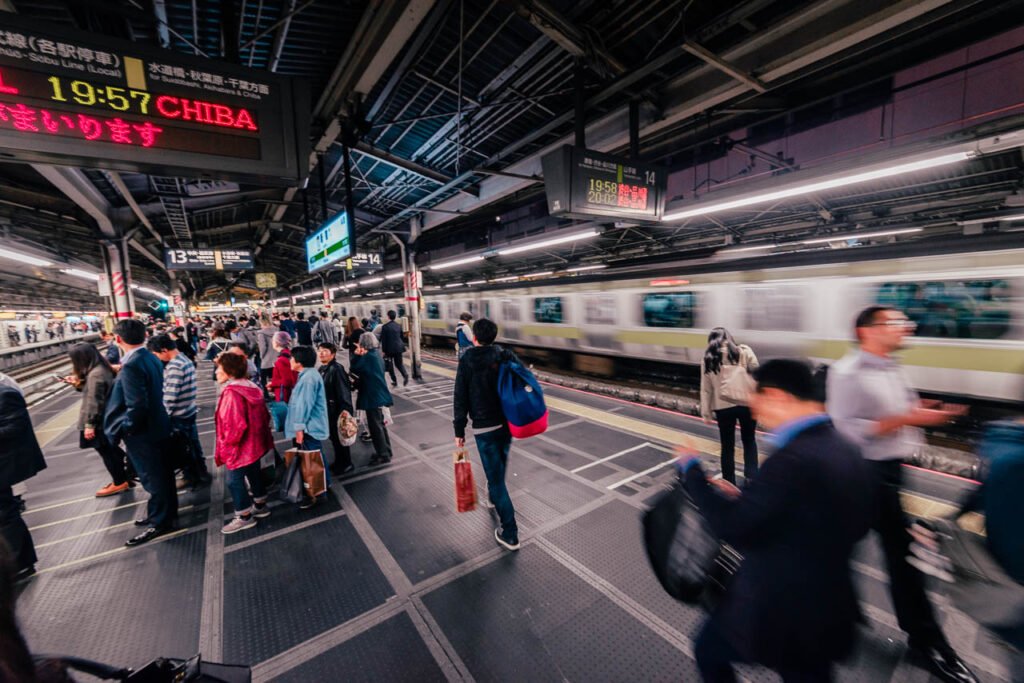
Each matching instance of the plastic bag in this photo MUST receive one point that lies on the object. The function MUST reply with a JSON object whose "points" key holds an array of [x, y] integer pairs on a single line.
{"points": [[348, 428], [465, 488]]}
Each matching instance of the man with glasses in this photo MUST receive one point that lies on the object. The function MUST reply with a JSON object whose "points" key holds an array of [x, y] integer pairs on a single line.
{"points": [[872, 403]]}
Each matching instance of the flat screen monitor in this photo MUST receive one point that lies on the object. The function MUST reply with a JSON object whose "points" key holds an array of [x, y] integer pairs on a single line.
{"points": [[331, 243]]}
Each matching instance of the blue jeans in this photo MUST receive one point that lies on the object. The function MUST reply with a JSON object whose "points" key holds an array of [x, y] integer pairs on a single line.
{"points": [[494, 447], [236, 485]]}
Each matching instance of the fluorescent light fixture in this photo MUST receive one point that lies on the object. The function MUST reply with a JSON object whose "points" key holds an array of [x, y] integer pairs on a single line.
{"points": [[452, 284], [540, 273], [548, 243], [476, 282], [457, 262], [809, 188], [509, 278], [864, 235], [370, 281], [740, 250], [993, 219], [432, 288], [579, 269], [394, 276], [24, 258], [80, 273]]}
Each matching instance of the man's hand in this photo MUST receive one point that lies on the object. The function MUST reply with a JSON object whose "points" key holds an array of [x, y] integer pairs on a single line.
{"points": [[299, 436], [933, 417], [89, 433], [460, 442]]}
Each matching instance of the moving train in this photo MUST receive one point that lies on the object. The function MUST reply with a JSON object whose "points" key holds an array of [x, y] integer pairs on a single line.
{"points": [[968, 307]]}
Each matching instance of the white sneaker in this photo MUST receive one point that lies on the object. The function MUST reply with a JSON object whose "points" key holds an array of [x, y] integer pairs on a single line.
{"points": [[238, 524]]}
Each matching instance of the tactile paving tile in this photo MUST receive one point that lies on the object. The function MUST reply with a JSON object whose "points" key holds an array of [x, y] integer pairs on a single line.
{"points": [[283, 516], [412, 510], [526, 617], [123, 610], [285, 590], [595, 439], [608, 541], [390, 651]]}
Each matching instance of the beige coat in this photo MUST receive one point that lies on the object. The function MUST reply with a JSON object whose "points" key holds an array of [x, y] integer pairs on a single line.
{"points": [[711, 383]]}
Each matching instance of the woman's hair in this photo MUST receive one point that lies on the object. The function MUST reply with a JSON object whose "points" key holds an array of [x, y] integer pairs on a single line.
{"points": [[234, 365], [219, 331], [85, 357], [283, 339], [352, 325], [265, 320], [713, 354], [369, 341]]}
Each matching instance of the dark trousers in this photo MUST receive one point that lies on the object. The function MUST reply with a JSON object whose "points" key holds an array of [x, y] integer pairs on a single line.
{"points": [[494, 447], [715, 656], [14, 531], [378, 433], [156, 473], [265, 375], [342, 454], [113, 459], [239, 494], [195, 469], [906, 584], [395, 361], [727, 419]]}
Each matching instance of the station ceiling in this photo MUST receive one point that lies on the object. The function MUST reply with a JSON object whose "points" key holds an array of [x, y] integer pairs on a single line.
{"points": [[444, 102]]}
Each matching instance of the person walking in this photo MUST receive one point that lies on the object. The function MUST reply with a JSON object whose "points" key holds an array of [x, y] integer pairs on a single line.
{"points": [[792, 607], [476, 396], [265, 344], [464, 335], [338, 390], [306, 423], [368, 367], [92, 375], [873, 404], [243, 437], [722, 359], [136, 414], [393, 346], [20, 459], [179, 396]]}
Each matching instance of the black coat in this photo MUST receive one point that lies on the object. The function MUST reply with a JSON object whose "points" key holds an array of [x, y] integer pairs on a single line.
{"points": [[337, 389], [136, 404], [304, 332], [20, 455], [476, 388], [391, 343], [796, 524]]}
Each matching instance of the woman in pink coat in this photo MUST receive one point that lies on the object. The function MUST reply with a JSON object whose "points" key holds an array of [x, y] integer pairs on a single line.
{"points": [[243, 437]]}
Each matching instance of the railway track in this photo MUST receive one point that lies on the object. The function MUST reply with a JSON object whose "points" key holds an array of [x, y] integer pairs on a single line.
{"points": [[37, 380]]}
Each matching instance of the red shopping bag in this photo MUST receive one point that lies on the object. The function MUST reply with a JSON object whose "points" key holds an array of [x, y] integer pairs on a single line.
{"points": [[465, 489]]}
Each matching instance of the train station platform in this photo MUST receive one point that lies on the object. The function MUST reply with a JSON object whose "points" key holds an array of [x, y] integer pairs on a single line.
{"points": [[388, 583]]}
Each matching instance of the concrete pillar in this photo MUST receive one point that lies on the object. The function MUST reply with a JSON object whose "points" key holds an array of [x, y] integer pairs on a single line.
{"points": [[120, 279], [413, 303]]}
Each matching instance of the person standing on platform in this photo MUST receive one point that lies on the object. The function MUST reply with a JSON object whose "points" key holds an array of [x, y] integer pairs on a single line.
{"points": [[368, 367], [476, 395], [265, 344], [324, 332], [792, 606], [306, 423], [239, 349], [393, 346], [287, 324], [353, 333], [92, 375], [20, 459], [283, 378], [873, 404], [136, 415], [303, 330], [113, 354], [464, 335], [723, 356], [338, 390], [180, 402]]}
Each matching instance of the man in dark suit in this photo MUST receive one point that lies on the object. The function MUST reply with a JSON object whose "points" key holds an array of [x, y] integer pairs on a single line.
{"points": [[792, 605], [393, 346], [136, 414], [20, 459]]}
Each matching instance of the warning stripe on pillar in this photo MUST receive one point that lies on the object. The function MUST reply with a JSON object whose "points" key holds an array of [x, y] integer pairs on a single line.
{"points": [[117, 283]]}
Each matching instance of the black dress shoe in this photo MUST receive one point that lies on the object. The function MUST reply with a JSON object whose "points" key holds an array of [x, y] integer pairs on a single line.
{"points": [[943, 663], [142, 521], [148, 535]]}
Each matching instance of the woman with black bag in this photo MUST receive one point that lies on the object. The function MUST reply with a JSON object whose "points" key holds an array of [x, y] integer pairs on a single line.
{"points": [[92, 375]]}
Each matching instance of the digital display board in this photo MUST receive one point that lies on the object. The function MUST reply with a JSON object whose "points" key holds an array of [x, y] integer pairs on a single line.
{"points": [[208, 259], [331, 243], [365, 263], [75, 99], [579, 182]]}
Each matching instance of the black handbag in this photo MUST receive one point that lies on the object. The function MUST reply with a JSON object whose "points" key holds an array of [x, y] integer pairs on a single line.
{"points": [[160, 670], [292, 490], [690, 562]]}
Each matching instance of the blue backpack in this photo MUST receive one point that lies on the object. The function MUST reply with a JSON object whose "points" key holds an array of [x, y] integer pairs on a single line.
{"points": [[522, 399]]}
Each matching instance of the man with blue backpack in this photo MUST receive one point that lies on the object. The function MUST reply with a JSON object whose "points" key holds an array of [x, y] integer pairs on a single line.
{"points": [[504, 400]]}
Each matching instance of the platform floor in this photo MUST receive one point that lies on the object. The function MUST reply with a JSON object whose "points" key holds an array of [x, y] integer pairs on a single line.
{"points": [[388, 583]]}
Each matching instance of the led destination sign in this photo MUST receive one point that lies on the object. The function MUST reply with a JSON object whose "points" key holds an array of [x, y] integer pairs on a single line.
{"points": [[208, 259], [65, 99], [331, 243], [579, 182]]}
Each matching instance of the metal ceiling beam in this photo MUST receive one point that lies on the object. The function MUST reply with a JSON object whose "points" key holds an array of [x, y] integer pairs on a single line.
{"points": [[567, 35], [79, 189], [368, 150], [282, 35], [706, 55]]}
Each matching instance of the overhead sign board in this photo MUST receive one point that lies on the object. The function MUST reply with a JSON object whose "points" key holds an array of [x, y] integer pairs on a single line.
{"points": [[75, 98], [266, 280], [367, 262], [579, 182], [208, 259], [331, 243]]}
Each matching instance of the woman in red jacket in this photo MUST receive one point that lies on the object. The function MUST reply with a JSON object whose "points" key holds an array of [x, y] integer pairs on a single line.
{"points": [[283, 379], [243, 437]]}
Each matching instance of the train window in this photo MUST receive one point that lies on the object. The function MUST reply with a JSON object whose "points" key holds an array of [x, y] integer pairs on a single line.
{"points": [[599, 309], [670, 309], [455, 310], [401, 310], [434, 311], [547, 309], [471, 307], [774, 308], [957, 309], [487, 308], [510, 311]]}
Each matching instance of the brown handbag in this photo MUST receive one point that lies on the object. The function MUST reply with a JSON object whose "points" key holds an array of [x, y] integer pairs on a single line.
{"points": [[314, 471]]}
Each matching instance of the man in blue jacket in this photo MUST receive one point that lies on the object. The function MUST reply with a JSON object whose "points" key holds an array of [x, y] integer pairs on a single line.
{"points": [[136, 414], [792, 604], [306, 423]]}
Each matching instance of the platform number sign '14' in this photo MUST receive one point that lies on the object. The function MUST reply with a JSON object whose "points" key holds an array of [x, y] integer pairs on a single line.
{"points": [[67, 98]]}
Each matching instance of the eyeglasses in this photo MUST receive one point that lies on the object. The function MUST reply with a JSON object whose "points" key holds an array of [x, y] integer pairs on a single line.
{"points": [[896, 322]]}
